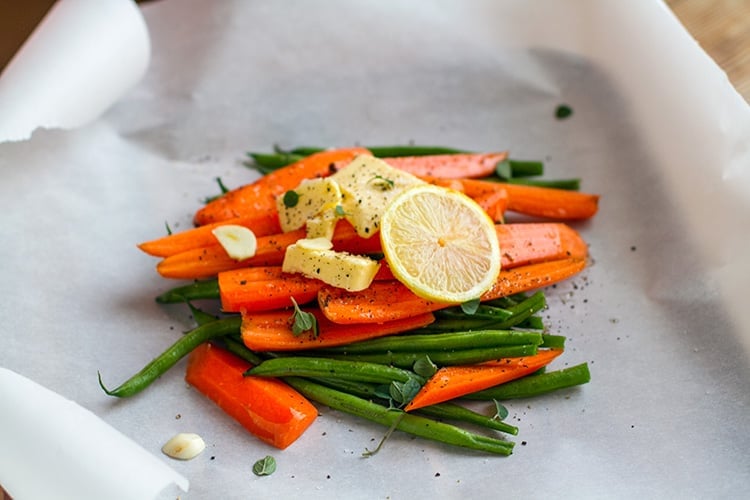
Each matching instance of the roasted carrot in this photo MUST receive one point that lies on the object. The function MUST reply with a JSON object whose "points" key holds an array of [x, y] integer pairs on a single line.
{"points": [[451, 382], [528, 243], [260, 196], [205, 262], [391, 300], [551, 203], [263, 289], [262, 224], [267, 407], [491, 196], [449, 166], [272, 331], [208, 261]]}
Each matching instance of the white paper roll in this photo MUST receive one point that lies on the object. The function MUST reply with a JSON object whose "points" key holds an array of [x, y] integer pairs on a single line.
{"points": [[83, 56], [54, 448]]}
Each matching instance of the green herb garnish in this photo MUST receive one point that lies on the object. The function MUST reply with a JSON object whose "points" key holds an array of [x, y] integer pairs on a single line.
{"points": [[291, 198], [303, 321], [563, 111], [265, 466]]}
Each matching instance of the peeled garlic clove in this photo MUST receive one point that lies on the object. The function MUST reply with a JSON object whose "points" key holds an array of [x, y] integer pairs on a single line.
{"points": [[184, 446], [238, 241]]}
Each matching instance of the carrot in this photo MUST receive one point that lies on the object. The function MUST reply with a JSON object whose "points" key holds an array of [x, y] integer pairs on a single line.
{"points": [[551, 203], [264, 288], [262, 224], [391, 300], [491, 196], [451, 382], [267, 407], [449, 166], [208, 261], [260, 196], [272, 331], [529, 243]]}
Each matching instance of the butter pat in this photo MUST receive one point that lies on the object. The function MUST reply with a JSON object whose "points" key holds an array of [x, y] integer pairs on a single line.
{"points": [[306, 201], [367, 184], [311, 258]]}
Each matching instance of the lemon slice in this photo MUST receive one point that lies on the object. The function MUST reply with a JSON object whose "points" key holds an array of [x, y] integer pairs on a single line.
{"points": [[440, 244]]}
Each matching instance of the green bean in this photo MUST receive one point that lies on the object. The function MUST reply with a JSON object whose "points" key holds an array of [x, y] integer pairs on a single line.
{"points": [[537, 384], [568, 184], [159, 365], [440, 341], [526, 168], [206, 289], [237, 348], [275, 160], [405, 422], [453, 411], [553, 341], [441, 358], [304, 366]]}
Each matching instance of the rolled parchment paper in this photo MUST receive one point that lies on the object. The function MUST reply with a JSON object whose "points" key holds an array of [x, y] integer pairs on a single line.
{"points": [[51, 447], [83, 56]]}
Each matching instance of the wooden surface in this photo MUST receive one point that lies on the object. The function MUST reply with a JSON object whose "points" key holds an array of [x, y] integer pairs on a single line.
{"points": [[721, 27]]}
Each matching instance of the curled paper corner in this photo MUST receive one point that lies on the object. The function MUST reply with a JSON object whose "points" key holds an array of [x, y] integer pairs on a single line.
{"points": [[54, 448], [79, 61]]}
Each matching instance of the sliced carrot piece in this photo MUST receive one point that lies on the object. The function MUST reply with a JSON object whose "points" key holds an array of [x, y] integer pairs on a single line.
{"points": [[528, 243], [491, 196], [449, 166], [262, 224], [266, 407], [263, 289], [272, 331], [451, 382], [260, 196], [391, 300], [208, 261], [551, 203]]}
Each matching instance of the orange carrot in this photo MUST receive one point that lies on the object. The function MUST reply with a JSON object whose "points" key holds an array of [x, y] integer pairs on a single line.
{"points": [[451, 382], [529, 243], [391, 300], [208, 261], [449, 166], [491, 196], [267, 407], [262, 224], [260, 196], [272, 331], [263, 289], [551, 203]]}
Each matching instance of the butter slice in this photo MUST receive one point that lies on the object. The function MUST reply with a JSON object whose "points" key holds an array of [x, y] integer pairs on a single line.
{"points": [[340, 269], [313, 195]]}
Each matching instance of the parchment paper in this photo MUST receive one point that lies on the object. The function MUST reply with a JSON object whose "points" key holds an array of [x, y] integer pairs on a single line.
{"points": [[656, 130]]}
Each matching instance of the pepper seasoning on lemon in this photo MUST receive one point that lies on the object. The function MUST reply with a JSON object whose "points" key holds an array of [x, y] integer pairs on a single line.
{"points": [[440, 244]]}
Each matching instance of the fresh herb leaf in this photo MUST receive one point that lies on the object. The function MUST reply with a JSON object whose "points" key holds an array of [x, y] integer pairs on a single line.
{"points": [[504, 170], [424, 367], [169, 229], [470, 306], [383, 183], [501, 412], [339, 211], [303, 321], [291, 198], [403, 392], [367, 453], [563, 111], [265, 466]]}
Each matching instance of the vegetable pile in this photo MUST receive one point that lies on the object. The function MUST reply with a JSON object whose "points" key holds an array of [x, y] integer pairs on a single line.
{"points": [[310, 310]]}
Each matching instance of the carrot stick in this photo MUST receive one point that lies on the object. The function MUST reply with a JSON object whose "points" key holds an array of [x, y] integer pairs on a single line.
{"points": [[262, 224], [451, 382], [260, 196], [449, 166], [264, 289], [551, 203], [272, 331], [208, 261], [529, 243], [391, 300], [267, 407]]}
